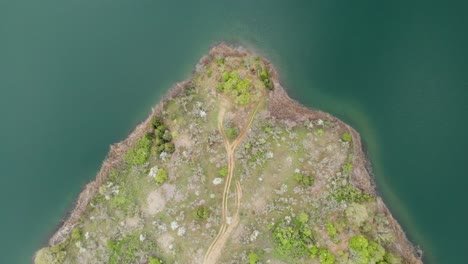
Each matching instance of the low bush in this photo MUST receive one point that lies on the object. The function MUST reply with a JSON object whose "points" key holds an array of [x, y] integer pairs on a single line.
{"points": [[304, 180], [161, 176], [201, 213], [346, 137], [253, 258], [223, 172]]}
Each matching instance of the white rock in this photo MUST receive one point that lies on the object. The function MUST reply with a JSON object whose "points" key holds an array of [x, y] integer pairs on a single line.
{"points": [[174, 225], [181, 231], [217, 181]]}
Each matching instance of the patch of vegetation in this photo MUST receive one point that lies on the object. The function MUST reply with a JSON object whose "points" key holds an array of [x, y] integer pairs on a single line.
{"points": [[161, 176], [237, 87], [153, 260], [363, 251], [139, 154], [331, 230], [265, 77], [201, 213], [304, 180], [76, 234], [325, 256], [223, 172], [293, 237], [51, 255], [346, 137], [127, 249], [349, 193], [162, 137], [253, 258], [348, 167], [231, 133]]}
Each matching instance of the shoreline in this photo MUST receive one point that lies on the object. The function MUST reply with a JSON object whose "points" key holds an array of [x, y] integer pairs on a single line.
{"points": [[280, 106]]}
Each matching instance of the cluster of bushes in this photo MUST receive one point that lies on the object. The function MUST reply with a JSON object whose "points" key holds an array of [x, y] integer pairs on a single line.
{"points": [[350, 194], [304, 179], [235, 86], [201, 213], [324, 255], [293, 238], [363, 251], [161, 137], [139, 154], [265, 77]]}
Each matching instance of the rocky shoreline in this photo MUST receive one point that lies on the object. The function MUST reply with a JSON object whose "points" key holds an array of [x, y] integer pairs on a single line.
{"points": [[281, 106]]}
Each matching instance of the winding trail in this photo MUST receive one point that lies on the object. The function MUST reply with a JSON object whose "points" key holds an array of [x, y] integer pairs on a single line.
{"points": [[228, 223]]}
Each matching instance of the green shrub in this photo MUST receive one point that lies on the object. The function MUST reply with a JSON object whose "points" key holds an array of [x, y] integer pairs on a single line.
{"points": [[304, 180], [364, 251], [346, 137], [201, 213], [223, 172], [138, 154], [157, 121], [169, 147], [293, 238], [253, 258], [243, 98], [167, 136], [326, 257], [265, 77], [331, 230], [348, 167], [161, 176], [303, 217], [349, 193], [236, 87], [231, 133], [76, 234], [153, 260]]}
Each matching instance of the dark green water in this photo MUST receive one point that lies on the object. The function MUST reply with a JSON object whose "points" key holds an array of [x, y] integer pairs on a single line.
{"points": [[78, 75]]}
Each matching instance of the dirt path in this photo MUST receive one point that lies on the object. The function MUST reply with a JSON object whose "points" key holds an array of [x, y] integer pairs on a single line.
{"points": [[228, 223]]}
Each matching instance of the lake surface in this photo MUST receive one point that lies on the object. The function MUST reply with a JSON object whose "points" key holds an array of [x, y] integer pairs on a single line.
{"points": [[78, 75]]}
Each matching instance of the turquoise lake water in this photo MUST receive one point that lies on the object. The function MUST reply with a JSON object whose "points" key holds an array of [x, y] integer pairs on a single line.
{"points": [[78, 75]]}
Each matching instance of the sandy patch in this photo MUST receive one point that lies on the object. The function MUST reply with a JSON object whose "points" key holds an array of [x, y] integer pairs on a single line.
{"points": [[132, 221], [156, 202], [165, 241]]}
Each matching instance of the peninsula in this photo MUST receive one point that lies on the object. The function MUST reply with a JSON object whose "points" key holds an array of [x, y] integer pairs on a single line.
{"points": [[228, 169]]}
